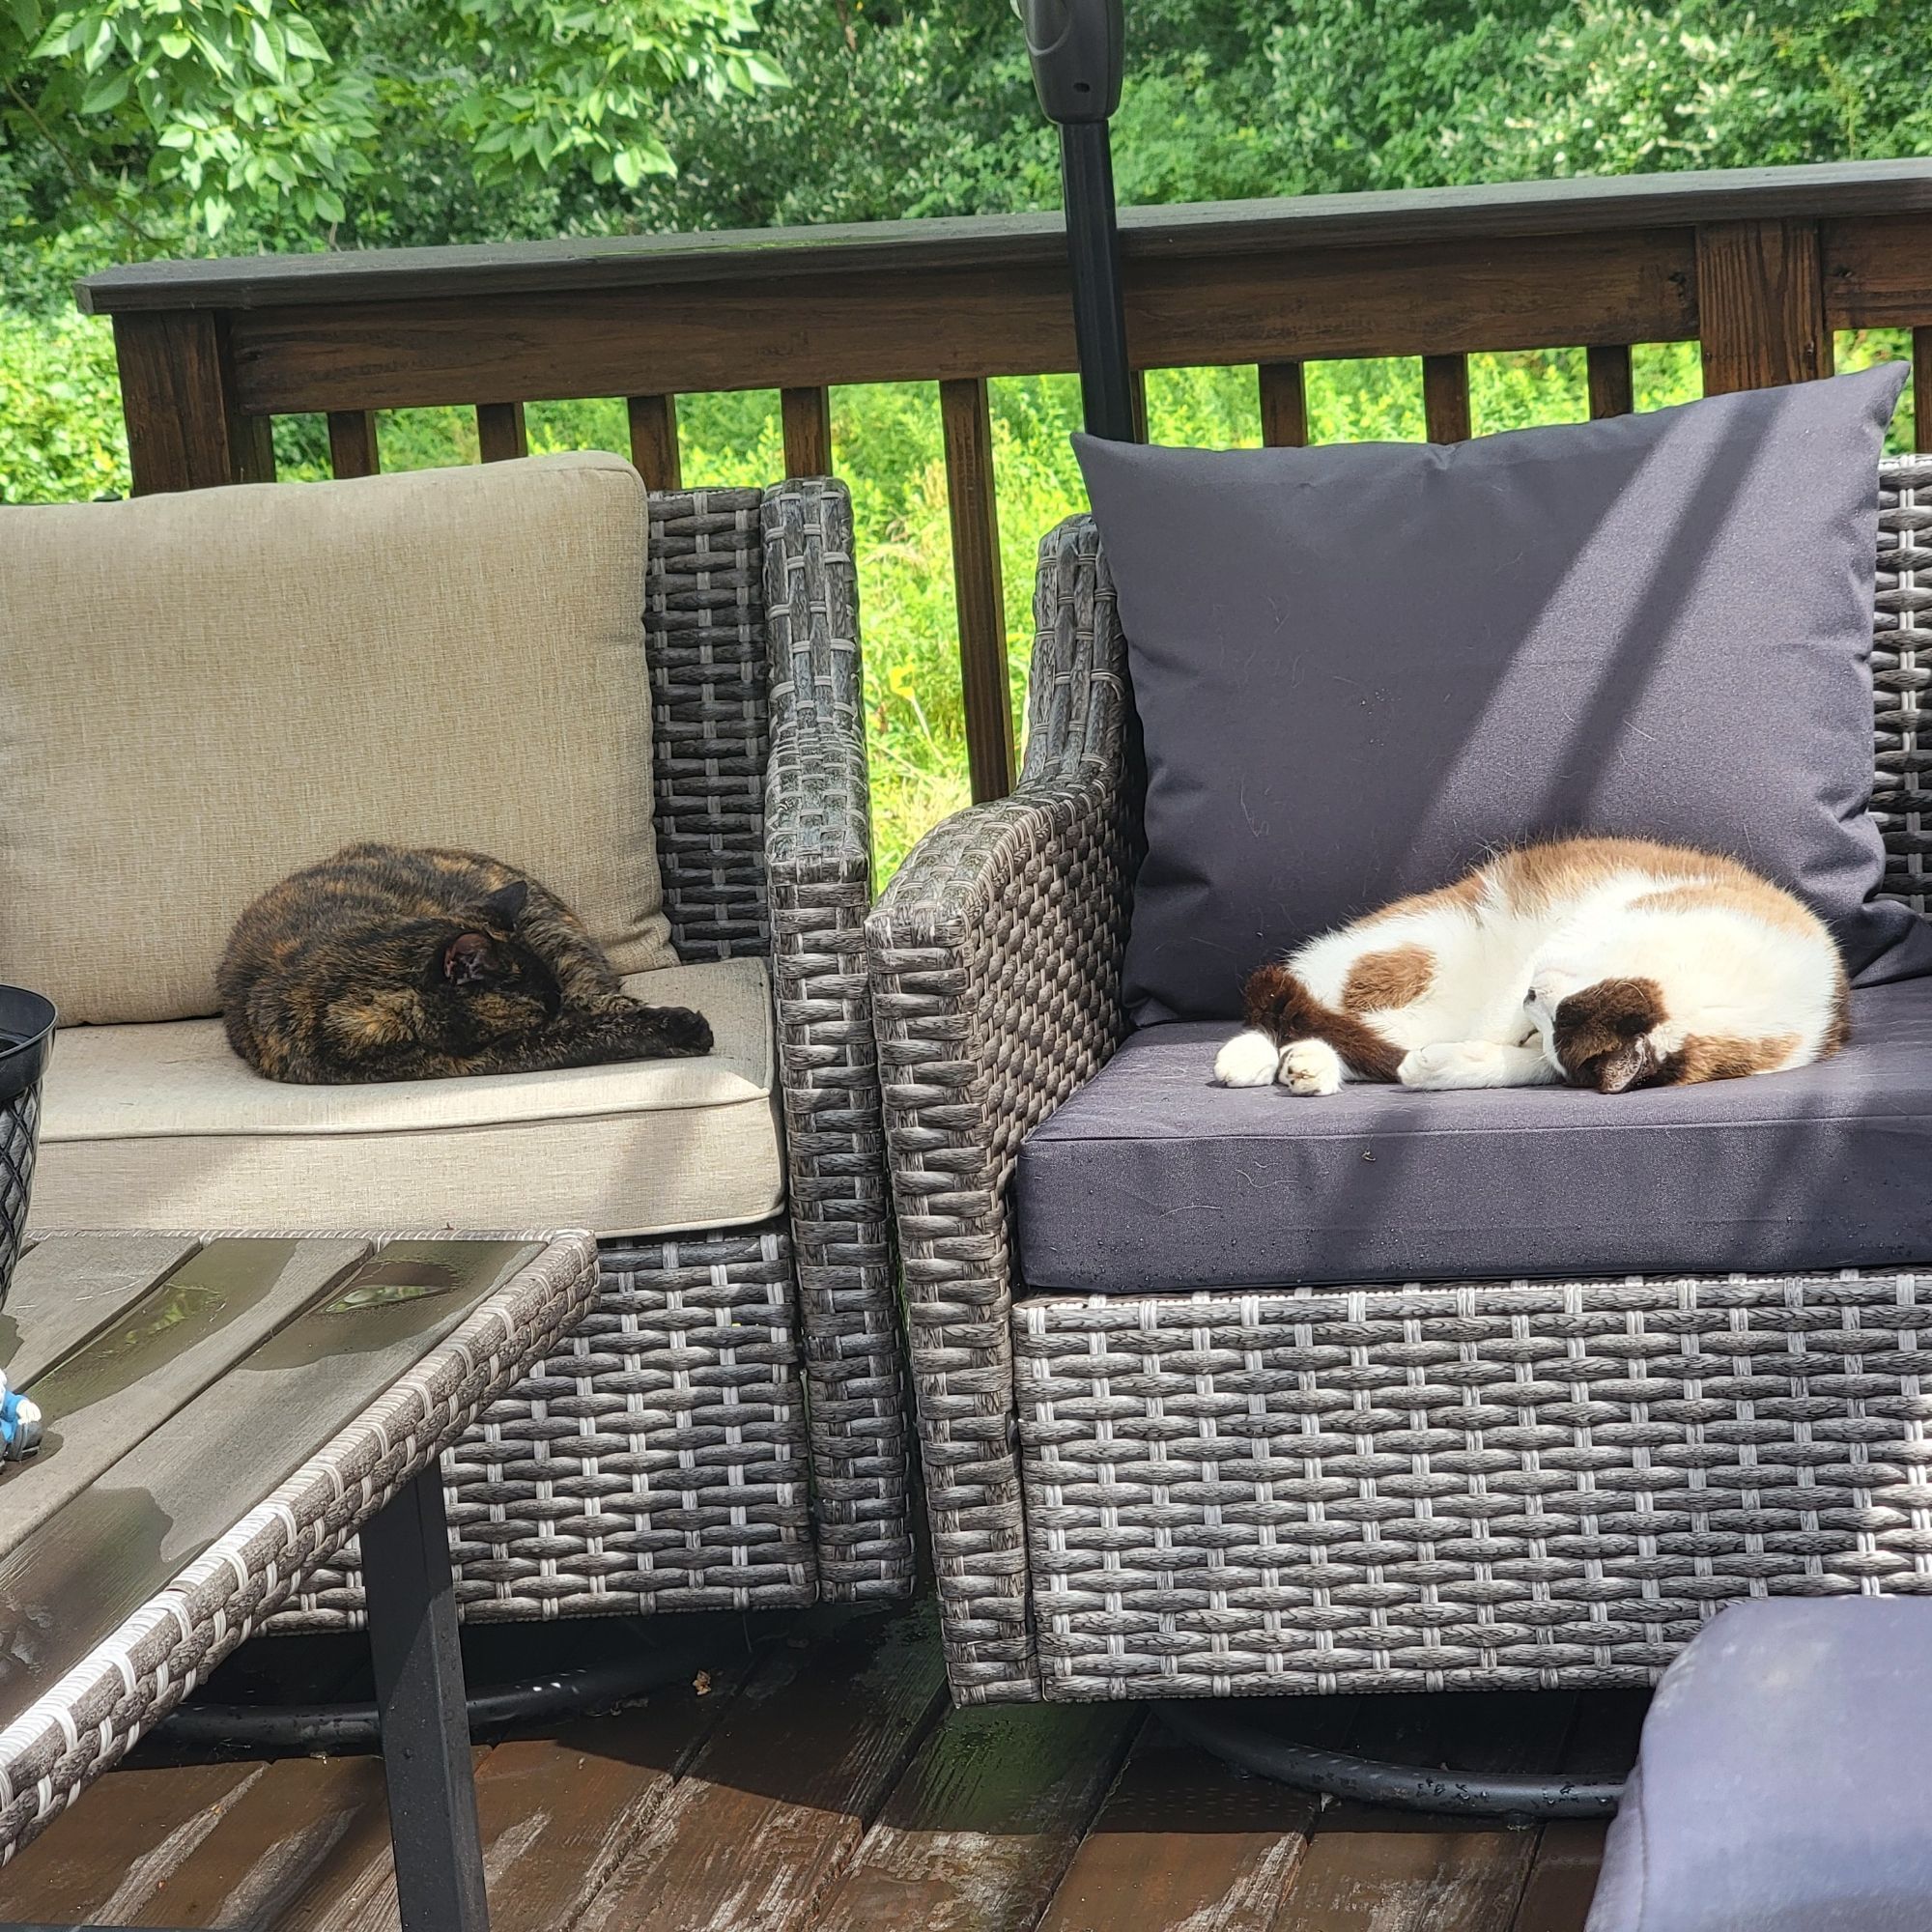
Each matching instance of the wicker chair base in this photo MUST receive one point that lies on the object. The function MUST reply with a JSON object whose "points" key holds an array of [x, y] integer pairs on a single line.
{"points": [[1533, 1486], [656, 1462]]}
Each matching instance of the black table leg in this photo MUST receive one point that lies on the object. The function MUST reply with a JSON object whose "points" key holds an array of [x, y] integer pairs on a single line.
{"points": [[419, 1697]]}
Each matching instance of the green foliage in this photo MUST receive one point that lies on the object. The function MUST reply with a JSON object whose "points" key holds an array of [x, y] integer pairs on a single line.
{"points": [[59, 411], [143, 127], [287, 120]]}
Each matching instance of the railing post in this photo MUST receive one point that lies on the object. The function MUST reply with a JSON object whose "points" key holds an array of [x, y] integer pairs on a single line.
{"points": [[806, 416], [966, 418], [654, 441], [1284, 397], [1445, 398], [1760, 305], [186, 429], [500, 433], [1612, 391], [352, 442], [1922, 389]]}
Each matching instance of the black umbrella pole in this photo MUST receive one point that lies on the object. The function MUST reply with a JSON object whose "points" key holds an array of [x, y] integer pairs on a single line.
{"points": [[1093, 252]]}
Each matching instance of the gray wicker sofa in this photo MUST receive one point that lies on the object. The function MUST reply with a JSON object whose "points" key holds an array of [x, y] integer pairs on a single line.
{"points": [[726, 1428], [1445, 1485]]}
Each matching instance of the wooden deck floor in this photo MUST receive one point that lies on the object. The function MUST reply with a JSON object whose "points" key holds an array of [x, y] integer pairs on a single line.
{"points": [[815, 1776]]}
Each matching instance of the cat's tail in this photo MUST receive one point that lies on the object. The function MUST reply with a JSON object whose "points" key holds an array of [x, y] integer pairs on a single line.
{"points": [[1276, 1003]]}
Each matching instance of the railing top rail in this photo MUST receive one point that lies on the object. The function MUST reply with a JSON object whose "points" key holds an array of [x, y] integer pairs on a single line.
{"points": [[1436, 216]]}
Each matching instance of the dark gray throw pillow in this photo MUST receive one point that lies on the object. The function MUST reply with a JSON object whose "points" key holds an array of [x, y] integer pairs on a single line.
{"points": [[1360, 666]]}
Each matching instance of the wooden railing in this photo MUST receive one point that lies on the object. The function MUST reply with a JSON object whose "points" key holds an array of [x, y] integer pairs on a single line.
{"points": [[1760, 267]]}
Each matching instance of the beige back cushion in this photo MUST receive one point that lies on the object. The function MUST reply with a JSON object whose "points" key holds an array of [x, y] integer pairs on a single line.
{"points": [[201, 693]]}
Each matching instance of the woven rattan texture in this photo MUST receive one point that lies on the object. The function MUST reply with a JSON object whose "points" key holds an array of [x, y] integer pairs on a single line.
{"points": [[818, 850], [1901, 676], [661, 1462], [94, 1715], [19, 1133], [1419, 1490], [654, 1461], [704, 627], [995, 958]]}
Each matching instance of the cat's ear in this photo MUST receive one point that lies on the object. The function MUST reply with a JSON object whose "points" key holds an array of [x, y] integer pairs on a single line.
{"points": [[504, 907], [1627, 1066], [466, 959]]}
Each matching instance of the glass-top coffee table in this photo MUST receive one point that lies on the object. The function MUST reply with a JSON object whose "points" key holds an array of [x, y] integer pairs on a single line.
{"points": [[220, 1415]]}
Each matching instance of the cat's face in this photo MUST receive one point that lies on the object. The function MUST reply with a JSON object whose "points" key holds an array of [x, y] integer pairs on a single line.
{"points": [[501, 985], [1600, 1033]]}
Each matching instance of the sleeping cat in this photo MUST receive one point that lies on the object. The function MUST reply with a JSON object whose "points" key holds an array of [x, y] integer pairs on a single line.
{"points": [[388, 963], [1610, 963]]}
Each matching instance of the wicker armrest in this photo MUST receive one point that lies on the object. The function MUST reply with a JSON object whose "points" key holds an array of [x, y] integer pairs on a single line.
{"points": [[995, 960], [818, 871]]}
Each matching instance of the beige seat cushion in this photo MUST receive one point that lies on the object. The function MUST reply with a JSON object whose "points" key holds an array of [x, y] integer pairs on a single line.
{"points": [[161, 1126], [201, 693]]}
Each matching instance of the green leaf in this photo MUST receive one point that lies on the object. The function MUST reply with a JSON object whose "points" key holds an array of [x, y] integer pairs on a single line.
{"points": [[107, 91]]}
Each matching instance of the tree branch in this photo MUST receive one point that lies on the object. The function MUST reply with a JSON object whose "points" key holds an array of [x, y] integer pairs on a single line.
{"points": [[81, 178]]}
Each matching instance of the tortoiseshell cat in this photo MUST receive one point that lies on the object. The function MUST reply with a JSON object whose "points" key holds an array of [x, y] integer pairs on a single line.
{"points": [[387, 963]]}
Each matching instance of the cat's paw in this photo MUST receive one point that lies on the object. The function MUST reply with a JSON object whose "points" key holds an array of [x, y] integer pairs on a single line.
{"points": [[1248, 1059], [682, 1031], [1451, 1063], [1310, 1066]]}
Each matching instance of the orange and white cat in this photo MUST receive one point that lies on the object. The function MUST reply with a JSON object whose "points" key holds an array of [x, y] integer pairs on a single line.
{"points": [[1610, 963]]}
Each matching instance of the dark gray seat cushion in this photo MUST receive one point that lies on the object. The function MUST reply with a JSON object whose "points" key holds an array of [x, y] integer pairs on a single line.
{"points": [[1781, 1782], [1359, 666], [1151, 1177]]}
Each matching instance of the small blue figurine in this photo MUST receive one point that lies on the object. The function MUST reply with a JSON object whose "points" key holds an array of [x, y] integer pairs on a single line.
{"points": [[20, 1423]]}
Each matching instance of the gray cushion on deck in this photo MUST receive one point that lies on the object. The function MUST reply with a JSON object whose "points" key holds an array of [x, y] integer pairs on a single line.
{"points": [[1358, 667], [1151, 1177], [1781, 1783]]}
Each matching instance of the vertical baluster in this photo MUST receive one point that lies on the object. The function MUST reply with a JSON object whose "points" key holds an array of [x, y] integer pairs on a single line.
{"points": [[1922, 389], [1445, 398], [807, 415], [1137, 392], [1283, 396], [654, 441], [1761, 304], [352, 442], [500, 433], [970, 501], [1612, 391]]}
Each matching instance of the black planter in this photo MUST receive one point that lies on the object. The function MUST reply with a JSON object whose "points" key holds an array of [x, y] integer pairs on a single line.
{"points": [[26, 1038]]}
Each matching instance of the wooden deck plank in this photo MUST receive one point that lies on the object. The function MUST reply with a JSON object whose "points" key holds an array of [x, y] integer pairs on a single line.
{"points": [[104, 1857], [130, 1853], [66, 1286], [1186, 1840], [780, 1798], [1563, 1875], [154, 1358], [291, 1844], [307, 1848], [1378, 1871], [73, 1581], [977, 1834], [559, 1813]]}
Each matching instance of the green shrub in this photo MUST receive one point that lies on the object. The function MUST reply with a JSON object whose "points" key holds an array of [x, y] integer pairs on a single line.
{"points": [[61, 435]]}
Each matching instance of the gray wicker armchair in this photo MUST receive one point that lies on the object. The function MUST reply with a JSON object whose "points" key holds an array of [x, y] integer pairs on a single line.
{"points": [[726, 1430], [1460, 1484]]}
